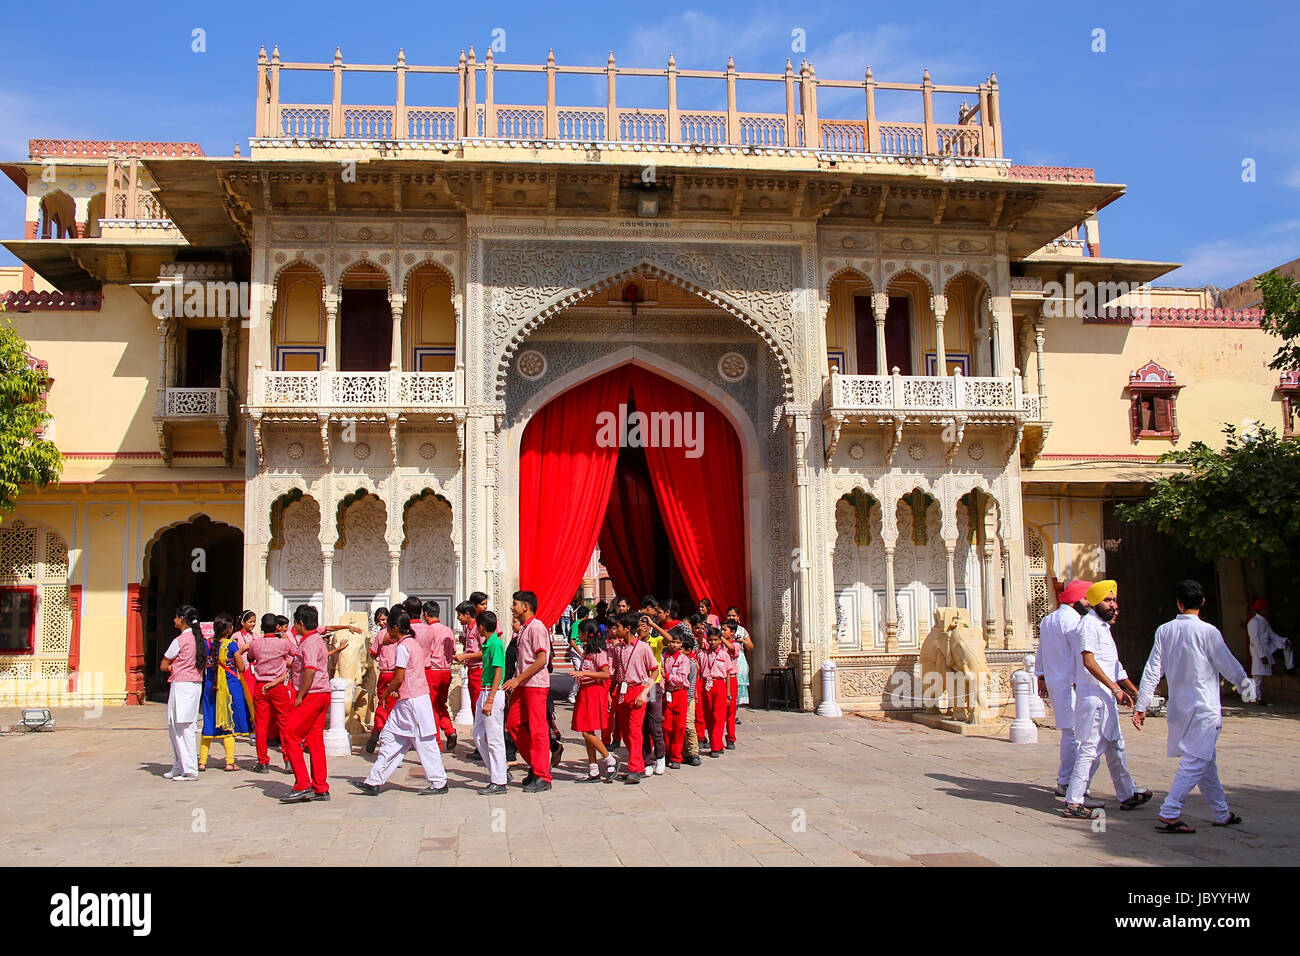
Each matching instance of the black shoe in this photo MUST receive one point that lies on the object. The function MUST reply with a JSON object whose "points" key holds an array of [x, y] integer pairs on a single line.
{"points": [[633, 778], [297, 796], [715, 753], [556, 753], [693, 762], [474, 755], [590, 778], [492, 790], [433, 791], [537, 786], [320, 797], [731, 745], [262, 768], [372, 742], [674, 765], [451, 743], [529, 777], [610, 772], [367, 788]]}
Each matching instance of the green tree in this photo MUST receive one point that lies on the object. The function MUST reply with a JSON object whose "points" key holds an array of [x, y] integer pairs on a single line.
{"points": [[1282, 317], [1241, 502], [25, 457]]}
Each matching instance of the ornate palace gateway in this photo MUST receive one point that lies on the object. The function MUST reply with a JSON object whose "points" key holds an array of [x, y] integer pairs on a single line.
{"points": [[309, 373]]}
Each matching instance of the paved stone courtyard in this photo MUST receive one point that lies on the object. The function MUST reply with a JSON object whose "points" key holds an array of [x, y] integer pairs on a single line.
{"points": [[800, 790]]}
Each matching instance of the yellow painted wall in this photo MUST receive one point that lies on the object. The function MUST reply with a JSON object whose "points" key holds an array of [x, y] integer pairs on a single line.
{"points": [[1224, 372], [1072, 530], [105, 370], [108, 537]]}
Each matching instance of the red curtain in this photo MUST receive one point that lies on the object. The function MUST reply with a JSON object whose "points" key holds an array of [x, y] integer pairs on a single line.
{"points": [[627, 540], [701, 498], [564, 486]]}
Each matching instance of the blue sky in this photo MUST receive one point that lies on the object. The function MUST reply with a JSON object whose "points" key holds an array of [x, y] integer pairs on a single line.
{"points": [[1181, 96]]}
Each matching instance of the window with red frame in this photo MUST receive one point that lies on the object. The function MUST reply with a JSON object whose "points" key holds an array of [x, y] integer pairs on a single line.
{"points": [[1153, 398], [17, 620]]}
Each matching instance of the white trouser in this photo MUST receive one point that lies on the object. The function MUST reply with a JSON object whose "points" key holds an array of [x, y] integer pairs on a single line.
{"points": [[1092, 747], [490, 735], [182, 725], [1062, 698], [393, 748], [1193, 771]]}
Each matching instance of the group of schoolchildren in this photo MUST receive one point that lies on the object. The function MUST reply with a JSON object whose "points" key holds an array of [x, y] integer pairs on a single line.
{"points": [[646, 679]]}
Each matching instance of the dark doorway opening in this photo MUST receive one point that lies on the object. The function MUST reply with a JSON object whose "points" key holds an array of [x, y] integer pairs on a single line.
{"points": [[898, 336], [200, 562], [366, 331], [202, 359]]}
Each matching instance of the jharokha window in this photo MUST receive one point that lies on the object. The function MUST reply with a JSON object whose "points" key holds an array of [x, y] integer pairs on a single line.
{"points": [[1153, 397], [1289, 386], [17, 617]]}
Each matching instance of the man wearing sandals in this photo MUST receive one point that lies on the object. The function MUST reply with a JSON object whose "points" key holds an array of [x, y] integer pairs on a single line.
{"points": [[1190, 654], [1098, 696]]}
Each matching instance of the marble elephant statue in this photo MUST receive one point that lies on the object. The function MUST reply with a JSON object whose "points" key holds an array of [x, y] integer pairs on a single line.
{"points": [[953, 664], [355, 664]]}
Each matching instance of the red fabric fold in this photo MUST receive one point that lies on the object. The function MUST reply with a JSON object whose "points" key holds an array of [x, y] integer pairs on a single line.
{"points": [[627, 540]]}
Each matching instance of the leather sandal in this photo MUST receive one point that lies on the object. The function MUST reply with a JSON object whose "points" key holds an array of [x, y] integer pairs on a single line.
{"points": [[1232, 821], [1175, 826]]}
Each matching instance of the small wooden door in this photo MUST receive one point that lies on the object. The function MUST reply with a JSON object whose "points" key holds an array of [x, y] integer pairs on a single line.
{"points": [[898, 336], [365, 331]]}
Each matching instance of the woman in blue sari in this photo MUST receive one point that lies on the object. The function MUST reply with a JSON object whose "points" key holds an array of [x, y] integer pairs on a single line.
{"points": [[226, 707]]}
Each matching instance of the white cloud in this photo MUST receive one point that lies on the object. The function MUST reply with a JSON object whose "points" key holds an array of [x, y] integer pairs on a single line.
{"points": [[1293, 177], [1225, 262]]}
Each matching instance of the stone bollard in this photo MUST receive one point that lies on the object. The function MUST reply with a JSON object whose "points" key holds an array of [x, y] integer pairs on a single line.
{"points": [[1023, 729], [828, 707], [338, 743], [465, 716], [1037, 709]]}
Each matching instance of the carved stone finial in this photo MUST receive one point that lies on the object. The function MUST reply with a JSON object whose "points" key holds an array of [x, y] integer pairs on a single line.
{"points": [[672, 62], [869, 74], [611, 57], [275, 53], [401, 56], [731, 64], [338, 54]]}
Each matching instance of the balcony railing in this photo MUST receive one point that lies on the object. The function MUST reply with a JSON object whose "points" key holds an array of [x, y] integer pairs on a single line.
{"points": [[194, 402], [929, 393], [333, 390], [977, 134]]}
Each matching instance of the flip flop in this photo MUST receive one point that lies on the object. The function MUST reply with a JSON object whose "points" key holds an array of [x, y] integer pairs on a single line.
{"points": [[1175, 826], [1232, 821], [231, 768], [1135, 801], [1077, 812]]}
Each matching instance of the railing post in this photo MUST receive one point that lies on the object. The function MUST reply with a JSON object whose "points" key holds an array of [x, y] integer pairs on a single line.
{"points": [[791, 124], [733, 120], [551, 130], [896, 386], [471, 98], [132, 190], [461, 116], [263, 123], [674, 130], [611, 108], [940, 305], [336, 104], [110, 191], [873, 128], [879, 307], [325, 385], [273, 111], [400, 130], [489, 93], [958, 389], [927, 100], [812, 130], [259, 384], [394, 386], [995, 115], [986, 129]]}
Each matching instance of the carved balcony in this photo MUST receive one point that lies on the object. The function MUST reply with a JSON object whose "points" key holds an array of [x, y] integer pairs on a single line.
{"points": [[185, 407]]}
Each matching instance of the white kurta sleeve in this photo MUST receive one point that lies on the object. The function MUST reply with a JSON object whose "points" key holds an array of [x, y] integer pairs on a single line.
{"points": [[1228, 665], [1150, 677], [403, 656], [173, 649]]}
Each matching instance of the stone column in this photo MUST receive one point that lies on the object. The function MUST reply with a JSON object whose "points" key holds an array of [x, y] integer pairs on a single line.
{"points": [[164, 333], [805, 637], [1008, 630], [225, 354], [891, 603], [327, 588], [1039, 336], [880, 306], [394, 576], [940, 305], [950, 550], [398, 305], [331, 331], [1003, 332], [986, 597]]}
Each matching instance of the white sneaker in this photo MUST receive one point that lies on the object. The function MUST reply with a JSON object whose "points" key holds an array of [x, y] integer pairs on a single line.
{"points": [[659, 766], [172, 774], [185, 776]]}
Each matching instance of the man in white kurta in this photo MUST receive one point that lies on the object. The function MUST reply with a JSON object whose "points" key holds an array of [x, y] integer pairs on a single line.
{"points": [[1098, 694], [1055, 665], [1264, 643], [1191, 655], [411, 722]]}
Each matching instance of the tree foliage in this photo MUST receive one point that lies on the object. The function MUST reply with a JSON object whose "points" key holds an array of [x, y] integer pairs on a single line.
{"points": [[1282, 317], [1243, 501], [25, 457]]}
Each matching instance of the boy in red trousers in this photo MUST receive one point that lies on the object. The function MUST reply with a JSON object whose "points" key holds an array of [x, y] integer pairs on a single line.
{"points": [[677, 676], [634, 669], [269, 656]]}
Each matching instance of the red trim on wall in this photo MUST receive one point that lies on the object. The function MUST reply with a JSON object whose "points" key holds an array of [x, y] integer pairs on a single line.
{"points": [[1071, 174], [134, 644], [74, 642], [1180, 318], [138, 455], [1063, 457]]}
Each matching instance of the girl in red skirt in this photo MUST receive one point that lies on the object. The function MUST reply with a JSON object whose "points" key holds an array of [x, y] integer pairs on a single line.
{"points": [[591, 709]]}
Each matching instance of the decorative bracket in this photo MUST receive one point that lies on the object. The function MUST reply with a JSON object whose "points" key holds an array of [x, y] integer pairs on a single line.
{"points": [[324, 421], [895, 440], [392, 436], [958, 426]]}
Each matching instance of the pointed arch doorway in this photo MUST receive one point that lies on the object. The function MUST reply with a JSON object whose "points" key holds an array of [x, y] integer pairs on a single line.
{"points": [[584, 449]]}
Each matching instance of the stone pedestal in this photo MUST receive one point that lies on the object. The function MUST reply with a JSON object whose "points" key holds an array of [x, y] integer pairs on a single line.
{"points": [[338, 742], [465, 715], [1023, 729], [987, 728], [1037, 710], [828, 707]]}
